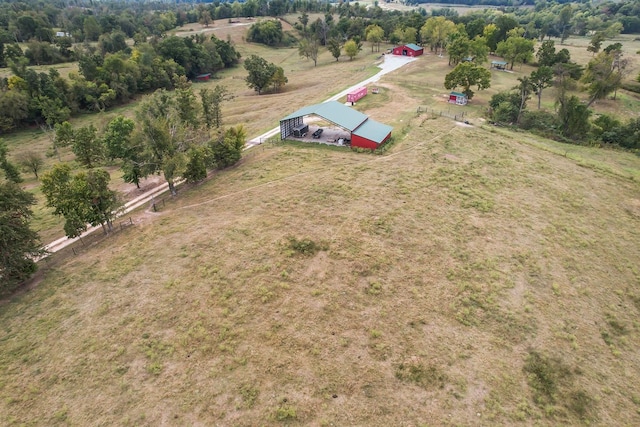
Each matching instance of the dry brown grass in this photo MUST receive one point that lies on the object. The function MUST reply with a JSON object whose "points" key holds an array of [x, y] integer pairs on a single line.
{"points": [[308, 85], [467, 277], [470, 276]]}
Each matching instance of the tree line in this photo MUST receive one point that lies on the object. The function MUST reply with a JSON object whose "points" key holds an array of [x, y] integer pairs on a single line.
{"points": [[107, 77], [570, 122], [175, 133]]}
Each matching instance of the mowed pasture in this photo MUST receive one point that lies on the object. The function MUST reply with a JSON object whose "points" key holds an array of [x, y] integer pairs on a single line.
{"points": [[467, 277]]}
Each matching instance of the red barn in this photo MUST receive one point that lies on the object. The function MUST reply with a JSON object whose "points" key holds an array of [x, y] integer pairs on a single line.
{"points": [[370, 134], [365, 132], [408, 50], [203, 77]]}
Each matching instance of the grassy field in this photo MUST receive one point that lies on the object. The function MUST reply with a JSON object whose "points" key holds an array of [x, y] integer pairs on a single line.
{"points": [[471, 276], [308, 84], [467, 277]]}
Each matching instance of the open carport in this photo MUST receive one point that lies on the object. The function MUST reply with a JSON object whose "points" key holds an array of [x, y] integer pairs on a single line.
{"points": [[364, 132]]}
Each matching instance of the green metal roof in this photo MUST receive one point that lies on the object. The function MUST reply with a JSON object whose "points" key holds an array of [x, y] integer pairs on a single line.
{"points": [[413, 46], [499, 62], [333, 111], [373, 131], [458, 94]]}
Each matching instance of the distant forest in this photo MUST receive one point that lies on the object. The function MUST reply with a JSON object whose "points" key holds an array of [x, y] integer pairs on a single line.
{"points": [[480, 2]]}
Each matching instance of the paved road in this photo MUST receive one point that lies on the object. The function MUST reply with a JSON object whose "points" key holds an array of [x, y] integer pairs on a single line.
{"points": [[391, 63]]}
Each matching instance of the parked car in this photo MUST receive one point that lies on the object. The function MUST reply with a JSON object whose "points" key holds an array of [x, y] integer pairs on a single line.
{"points": [[317, 133]]}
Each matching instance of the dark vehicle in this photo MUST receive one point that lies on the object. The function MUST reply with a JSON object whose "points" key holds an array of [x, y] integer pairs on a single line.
{"points": [[317, 133], [301, 130]]}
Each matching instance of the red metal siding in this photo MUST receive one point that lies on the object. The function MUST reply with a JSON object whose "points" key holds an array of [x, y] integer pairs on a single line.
{"points": [[356, 94], [359, 141], [410, 52]]}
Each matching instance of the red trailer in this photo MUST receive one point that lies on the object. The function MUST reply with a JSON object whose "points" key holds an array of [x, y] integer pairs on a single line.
{"points": [[356, 95]]}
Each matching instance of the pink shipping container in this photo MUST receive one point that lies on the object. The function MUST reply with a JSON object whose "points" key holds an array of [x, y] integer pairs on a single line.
{"points": [[356, 94]]}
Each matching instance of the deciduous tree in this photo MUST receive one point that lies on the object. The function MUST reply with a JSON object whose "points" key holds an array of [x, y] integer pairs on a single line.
{"points": [[260, 72], [278, 80], [333, 45], [374, 35], [351, 49], [465, 75], [541, 79], [227, 147], [308, 48], [165, 137], [86, 145], [435, 31], [516, 49], [525, 88], [601, 76], [211, 101], [84, 198], [19, 244], [31, 161]]}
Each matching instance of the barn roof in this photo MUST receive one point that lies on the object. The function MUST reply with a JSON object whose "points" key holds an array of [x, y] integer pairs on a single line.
{"points": [[373, 131], [333, 111], [413, 46], [457, 94]]}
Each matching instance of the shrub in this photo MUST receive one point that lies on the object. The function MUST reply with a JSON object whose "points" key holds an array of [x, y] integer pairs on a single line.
{"points": [[544, 375], [539, 120], [631, 86], [425, 376], [304, 246], [504, 107]]}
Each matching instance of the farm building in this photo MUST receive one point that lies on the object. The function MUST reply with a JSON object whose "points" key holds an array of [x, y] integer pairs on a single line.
{"points": [[364, 132], [499, 65], [408, 50], [203, 77], [458, 98]]}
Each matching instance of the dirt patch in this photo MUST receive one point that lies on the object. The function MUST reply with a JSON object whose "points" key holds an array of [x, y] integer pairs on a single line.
{"points": [[130, 191]]}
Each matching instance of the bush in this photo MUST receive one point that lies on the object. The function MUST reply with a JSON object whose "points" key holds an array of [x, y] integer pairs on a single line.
{"points": [[541, 121], [304, 246], [631, 86], [504, 107], [227, 148]]}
